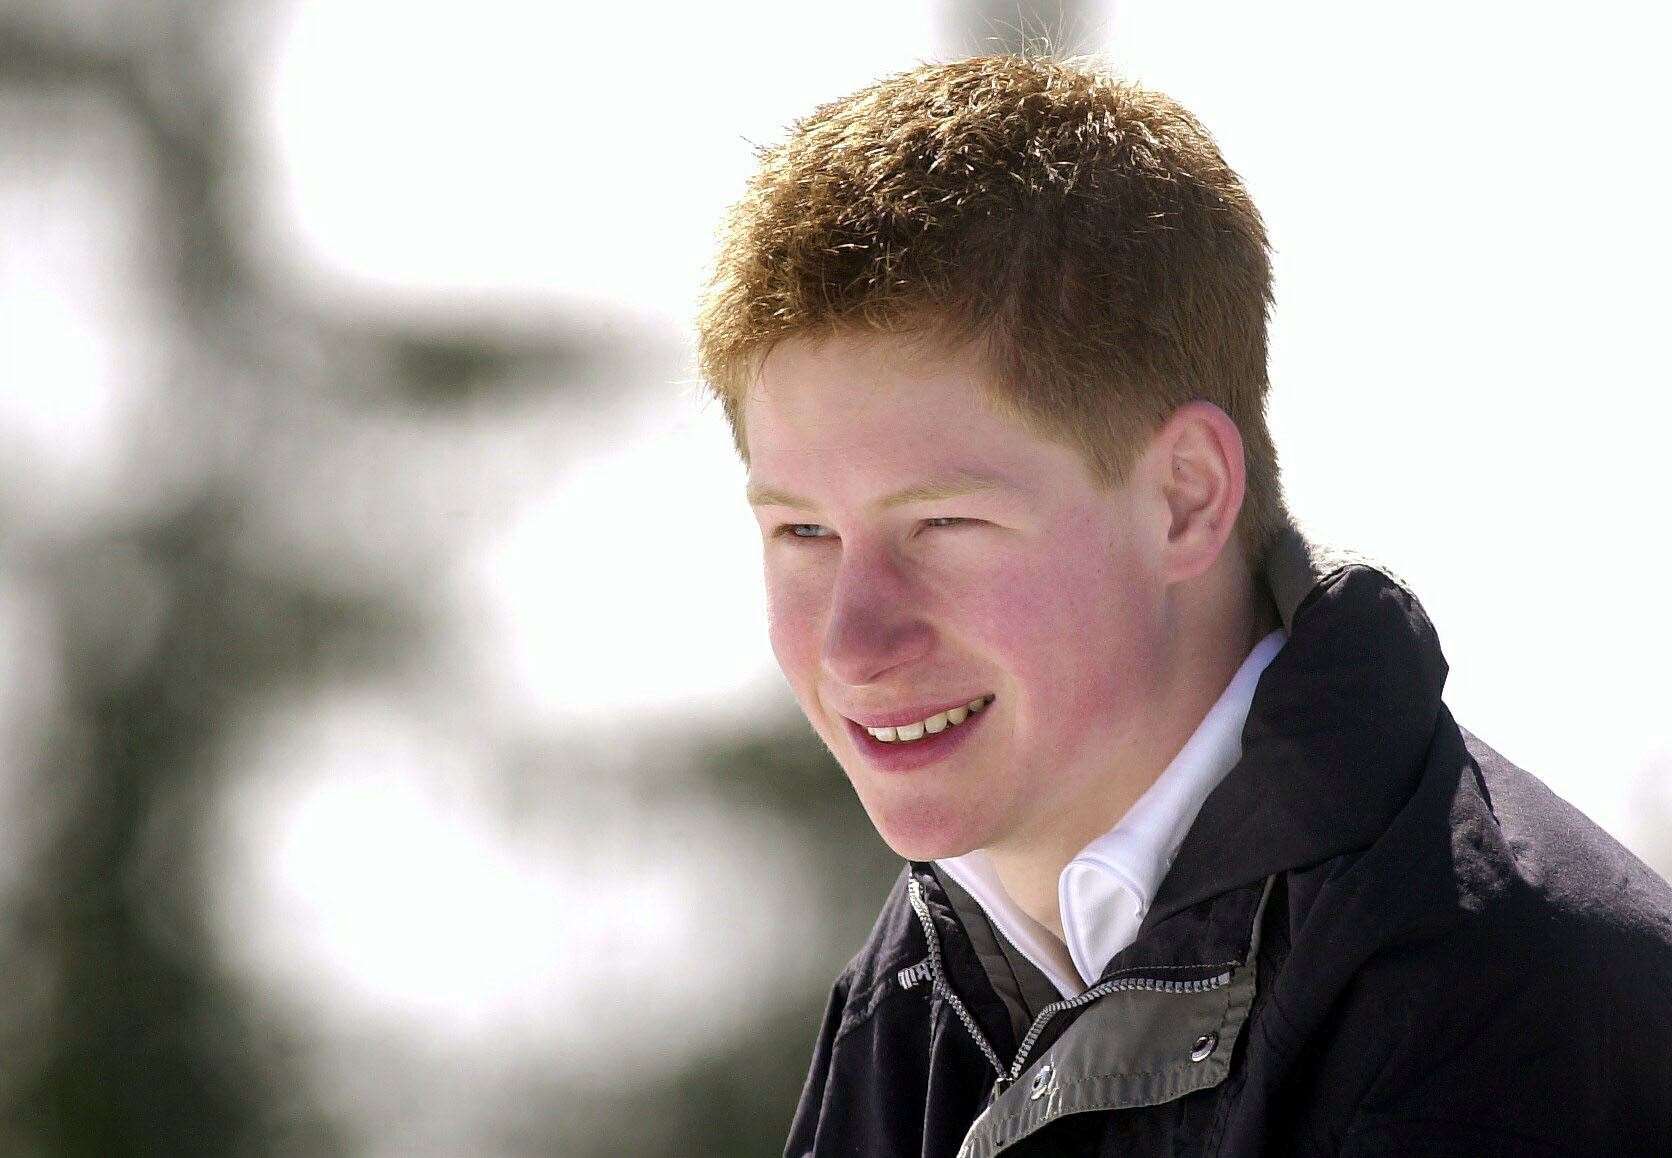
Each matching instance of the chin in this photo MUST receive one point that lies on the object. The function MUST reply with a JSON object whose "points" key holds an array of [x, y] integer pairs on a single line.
{"points": [[924, 831]]}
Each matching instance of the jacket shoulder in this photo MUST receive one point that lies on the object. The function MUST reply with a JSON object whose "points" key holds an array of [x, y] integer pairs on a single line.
{"points": [[1535, 1024], [1592, 895]]}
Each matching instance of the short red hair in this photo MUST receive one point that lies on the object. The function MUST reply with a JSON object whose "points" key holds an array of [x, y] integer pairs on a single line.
{"points": [[1085, 232]]}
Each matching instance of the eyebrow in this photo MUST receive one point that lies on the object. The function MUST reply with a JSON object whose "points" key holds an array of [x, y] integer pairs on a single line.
{"points": [[960, 482]]}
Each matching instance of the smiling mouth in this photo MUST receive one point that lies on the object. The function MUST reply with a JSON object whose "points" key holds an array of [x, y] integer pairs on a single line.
{"points": [[924, 750], [914, 730]]}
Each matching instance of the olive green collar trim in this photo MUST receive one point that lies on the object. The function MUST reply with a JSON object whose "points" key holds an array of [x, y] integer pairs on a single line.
{"points": [[1147, 1037]]}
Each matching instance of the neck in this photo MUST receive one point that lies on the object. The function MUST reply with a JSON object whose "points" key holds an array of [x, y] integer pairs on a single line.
{"points": [[1202, 667]]}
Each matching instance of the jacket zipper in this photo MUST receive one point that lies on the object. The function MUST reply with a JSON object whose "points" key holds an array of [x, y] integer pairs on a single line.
{"points": [[938, 982]]}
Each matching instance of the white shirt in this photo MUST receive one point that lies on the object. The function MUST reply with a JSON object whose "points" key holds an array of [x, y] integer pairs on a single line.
{"points": [[1104, 892]]}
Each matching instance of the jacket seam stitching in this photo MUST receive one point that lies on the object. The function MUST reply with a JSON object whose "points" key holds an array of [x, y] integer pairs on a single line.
{"points": [[1233, 963]]}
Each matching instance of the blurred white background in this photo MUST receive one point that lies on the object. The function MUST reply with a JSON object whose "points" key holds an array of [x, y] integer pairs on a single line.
{"points": [[373, 572]]}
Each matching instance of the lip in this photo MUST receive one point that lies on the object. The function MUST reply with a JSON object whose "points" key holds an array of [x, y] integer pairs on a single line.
{"points": [[908, 756]]}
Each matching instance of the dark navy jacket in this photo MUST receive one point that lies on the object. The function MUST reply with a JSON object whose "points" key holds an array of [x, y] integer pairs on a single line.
{"points": [[1379, 937]]}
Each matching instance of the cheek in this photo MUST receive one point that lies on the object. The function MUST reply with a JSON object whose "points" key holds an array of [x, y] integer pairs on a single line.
{"points": [[1074, 631], [792, 608]]}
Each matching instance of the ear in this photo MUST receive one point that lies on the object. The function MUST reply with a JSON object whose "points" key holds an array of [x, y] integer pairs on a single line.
{"points": [[1195, 467]]}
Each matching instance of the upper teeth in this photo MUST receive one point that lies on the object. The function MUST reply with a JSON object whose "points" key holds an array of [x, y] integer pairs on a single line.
{"points": [[935, 723]]}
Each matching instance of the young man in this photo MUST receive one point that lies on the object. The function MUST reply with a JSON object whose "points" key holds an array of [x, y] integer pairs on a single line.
{"points": [[1199, 862]]}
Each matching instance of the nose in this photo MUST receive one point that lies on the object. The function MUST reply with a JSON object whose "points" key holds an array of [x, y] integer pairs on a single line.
{"points": [[875, 623]]}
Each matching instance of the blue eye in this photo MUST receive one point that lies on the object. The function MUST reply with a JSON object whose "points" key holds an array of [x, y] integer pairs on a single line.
{"points": [[788, 530]]}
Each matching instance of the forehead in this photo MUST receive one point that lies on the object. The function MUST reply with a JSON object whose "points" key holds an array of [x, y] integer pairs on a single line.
{"points": [[842, 412]]}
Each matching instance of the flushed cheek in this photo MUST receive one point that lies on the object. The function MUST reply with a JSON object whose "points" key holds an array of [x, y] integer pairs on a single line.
{"points": [[1033, 616], [792, 629], [1074, 647]]}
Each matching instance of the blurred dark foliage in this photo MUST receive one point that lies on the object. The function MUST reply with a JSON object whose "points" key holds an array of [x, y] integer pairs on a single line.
{"points": [[149, 1046], [135, 1040], [751, 1091], [153, 1050]]}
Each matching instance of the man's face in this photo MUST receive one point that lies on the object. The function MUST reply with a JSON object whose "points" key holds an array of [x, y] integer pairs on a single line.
{"points": [[1038, 594]]}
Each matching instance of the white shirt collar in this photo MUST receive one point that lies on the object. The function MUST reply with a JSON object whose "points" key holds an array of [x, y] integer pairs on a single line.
{"points": [[1104, 892]]}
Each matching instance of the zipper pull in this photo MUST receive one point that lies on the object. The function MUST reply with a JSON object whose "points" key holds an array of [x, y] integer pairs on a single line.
{"points": [[999, 1087]]}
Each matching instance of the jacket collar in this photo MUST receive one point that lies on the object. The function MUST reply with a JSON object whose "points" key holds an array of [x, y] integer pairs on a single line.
{"points": [[1335, 739]]}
